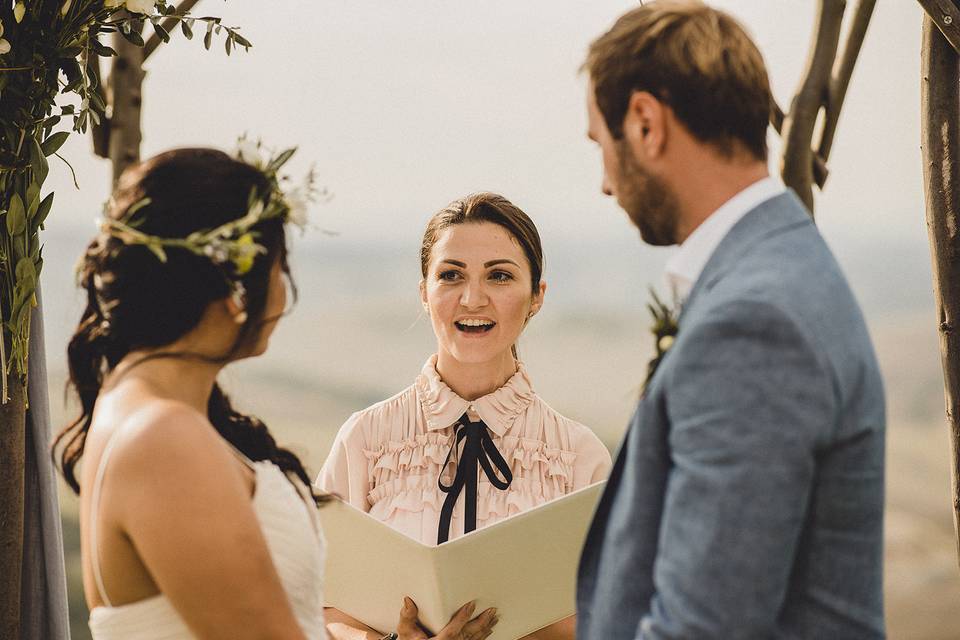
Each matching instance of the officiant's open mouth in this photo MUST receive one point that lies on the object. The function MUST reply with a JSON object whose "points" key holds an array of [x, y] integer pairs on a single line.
{"points": [[474, 325]]}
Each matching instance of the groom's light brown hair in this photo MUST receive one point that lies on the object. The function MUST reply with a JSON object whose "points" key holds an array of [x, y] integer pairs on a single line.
{"points": [[697, 60]]}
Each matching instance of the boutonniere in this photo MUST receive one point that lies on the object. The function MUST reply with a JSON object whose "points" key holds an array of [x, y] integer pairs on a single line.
{"points": [[664, 329]]}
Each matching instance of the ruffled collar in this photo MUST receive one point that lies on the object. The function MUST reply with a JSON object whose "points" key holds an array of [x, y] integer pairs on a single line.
{"points": [[442, 407]]}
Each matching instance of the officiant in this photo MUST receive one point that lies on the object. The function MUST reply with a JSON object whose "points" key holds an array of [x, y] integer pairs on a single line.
{"points": [[470, 442]]}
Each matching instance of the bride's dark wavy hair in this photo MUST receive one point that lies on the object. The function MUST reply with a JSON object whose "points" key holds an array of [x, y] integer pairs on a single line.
{"points": [[136, 301]]}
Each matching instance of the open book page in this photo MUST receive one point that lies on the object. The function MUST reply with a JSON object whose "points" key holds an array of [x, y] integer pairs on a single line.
{"points": [[525, 566]]}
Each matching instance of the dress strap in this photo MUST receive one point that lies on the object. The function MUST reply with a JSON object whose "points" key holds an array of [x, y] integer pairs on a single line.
{"points": [[95, 512]]}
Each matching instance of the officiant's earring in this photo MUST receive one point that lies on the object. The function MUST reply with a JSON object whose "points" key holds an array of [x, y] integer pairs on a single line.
{"points": [[240, 318]]}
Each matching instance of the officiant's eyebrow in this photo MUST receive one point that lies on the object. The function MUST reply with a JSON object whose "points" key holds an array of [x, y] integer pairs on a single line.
{"points": [[486, 265]]}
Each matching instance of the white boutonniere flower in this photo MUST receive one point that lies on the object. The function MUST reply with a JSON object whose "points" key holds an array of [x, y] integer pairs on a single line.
{"points": [[664, 343], [664, 329]]}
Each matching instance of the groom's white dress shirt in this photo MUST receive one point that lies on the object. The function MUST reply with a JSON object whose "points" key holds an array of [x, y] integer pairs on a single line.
{"points": [[685, 266]]}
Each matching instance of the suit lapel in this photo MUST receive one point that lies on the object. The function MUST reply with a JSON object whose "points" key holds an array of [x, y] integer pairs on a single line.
{"points": [[771, 217]]}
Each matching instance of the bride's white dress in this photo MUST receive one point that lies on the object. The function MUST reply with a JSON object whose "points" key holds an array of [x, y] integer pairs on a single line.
{"points": [[292, 530]]}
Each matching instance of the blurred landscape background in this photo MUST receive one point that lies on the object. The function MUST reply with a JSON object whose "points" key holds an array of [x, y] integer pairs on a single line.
{"points": [[405, 106]]}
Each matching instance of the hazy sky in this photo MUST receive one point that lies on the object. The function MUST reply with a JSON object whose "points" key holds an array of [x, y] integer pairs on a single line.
{"points": [[404, 106]]}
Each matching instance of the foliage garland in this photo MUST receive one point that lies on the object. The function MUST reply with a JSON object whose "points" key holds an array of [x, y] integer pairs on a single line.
{"points": [[48, 49]]}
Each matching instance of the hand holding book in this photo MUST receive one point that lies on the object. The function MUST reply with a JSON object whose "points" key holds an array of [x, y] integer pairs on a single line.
{"points": [[460, 627]]}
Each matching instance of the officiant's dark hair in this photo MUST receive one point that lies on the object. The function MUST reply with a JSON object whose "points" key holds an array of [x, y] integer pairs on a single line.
{"points": [[697, 60], [135, 300]]}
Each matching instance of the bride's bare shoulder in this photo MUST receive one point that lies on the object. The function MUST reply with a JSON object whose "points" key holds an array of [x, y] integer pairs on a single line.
{"points": [[160, 440]]}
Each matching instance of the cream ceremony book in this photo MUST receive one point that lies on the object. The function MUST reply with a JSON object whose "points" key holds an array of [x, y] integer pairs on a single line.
{"points": [[525, 566]]}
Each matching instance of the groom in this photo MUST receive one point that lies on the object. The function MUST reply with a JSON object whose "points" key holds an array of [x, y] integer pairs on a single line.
{"points": [[747, 497]]}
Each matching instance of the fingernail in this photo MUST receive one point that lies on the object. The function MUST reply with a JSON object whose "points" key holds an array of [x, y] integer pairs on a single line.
{"points": [[407, 603], [495, 621], [491, 613], [471, 607]]}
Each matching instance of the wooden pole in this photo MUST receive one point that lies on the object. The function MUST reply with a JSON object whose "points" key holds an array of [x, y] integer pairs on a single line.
{"points": [[12, 451], [940, 143], [126, 90], [800, 122]]}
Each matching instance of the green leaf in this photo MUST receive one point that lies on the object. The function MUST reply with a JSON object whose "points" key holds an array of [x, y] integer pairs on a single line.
{"points": [[132, 37], [33, 199], [26, 273], [161, 32], [21, 308], [228, 45], [208, 37], [42, 212], [51, 122], [185, 28], [96, 101], [101, 49], [243, 42], [281, 160], [16, 216], [38, 161], [71, 69], [52, 144]]}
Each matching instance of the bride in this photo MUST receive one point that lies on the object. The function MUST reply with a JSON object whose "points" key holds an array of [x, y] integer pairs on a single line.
{"points": [[194, 523]]}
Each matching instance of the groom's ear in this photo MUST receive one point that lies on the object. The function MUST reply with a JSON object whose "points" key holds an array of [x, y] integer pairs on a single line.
{"points": [[644, 125]]}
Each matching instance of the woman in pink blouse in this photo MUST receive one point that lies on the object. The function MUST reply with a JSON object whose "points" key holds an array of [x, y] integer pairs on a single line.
{"points": [[481, 262]]}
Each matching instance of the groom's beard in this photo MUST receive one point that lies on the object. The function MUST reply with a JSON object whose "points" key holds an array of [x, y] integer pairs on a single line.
{"points": [[648, 201]]}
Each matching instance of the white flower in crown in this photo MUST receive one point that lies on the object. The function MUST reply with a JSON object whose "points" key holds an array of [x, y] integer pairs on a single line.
{"points": [[297, 200], [250, 151]]}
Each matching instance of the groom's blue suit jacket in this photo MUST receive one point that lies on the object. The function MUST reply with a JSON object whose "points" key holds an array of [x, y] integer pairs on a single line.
{"points": [[747, 497]]}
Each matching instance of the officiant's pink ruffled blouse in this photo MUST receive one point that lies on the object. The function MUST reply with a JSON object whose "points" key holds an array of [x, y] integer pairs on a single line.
{"points": [[386, 459]]}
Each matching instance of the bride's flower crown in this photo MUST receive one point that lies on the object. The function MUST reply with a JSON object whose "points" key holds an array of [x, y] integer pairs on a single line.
{"points": [[233, 243]]}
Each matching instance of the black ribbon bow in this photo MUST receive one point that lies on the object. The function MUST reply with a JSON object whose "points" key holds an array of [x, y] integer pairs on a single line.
{"points": [[478, 452]]}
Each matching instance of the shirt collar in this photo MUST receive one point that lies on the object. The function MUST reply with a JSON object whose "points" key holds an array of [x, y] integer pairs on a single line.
{"points": [[442, 407], [686, 265]]}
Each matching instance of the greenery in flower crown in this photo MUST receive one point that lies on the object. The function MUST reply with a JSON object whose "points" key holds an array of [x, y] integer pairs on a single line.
{"points": [[48, 55], [233, 243]]}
